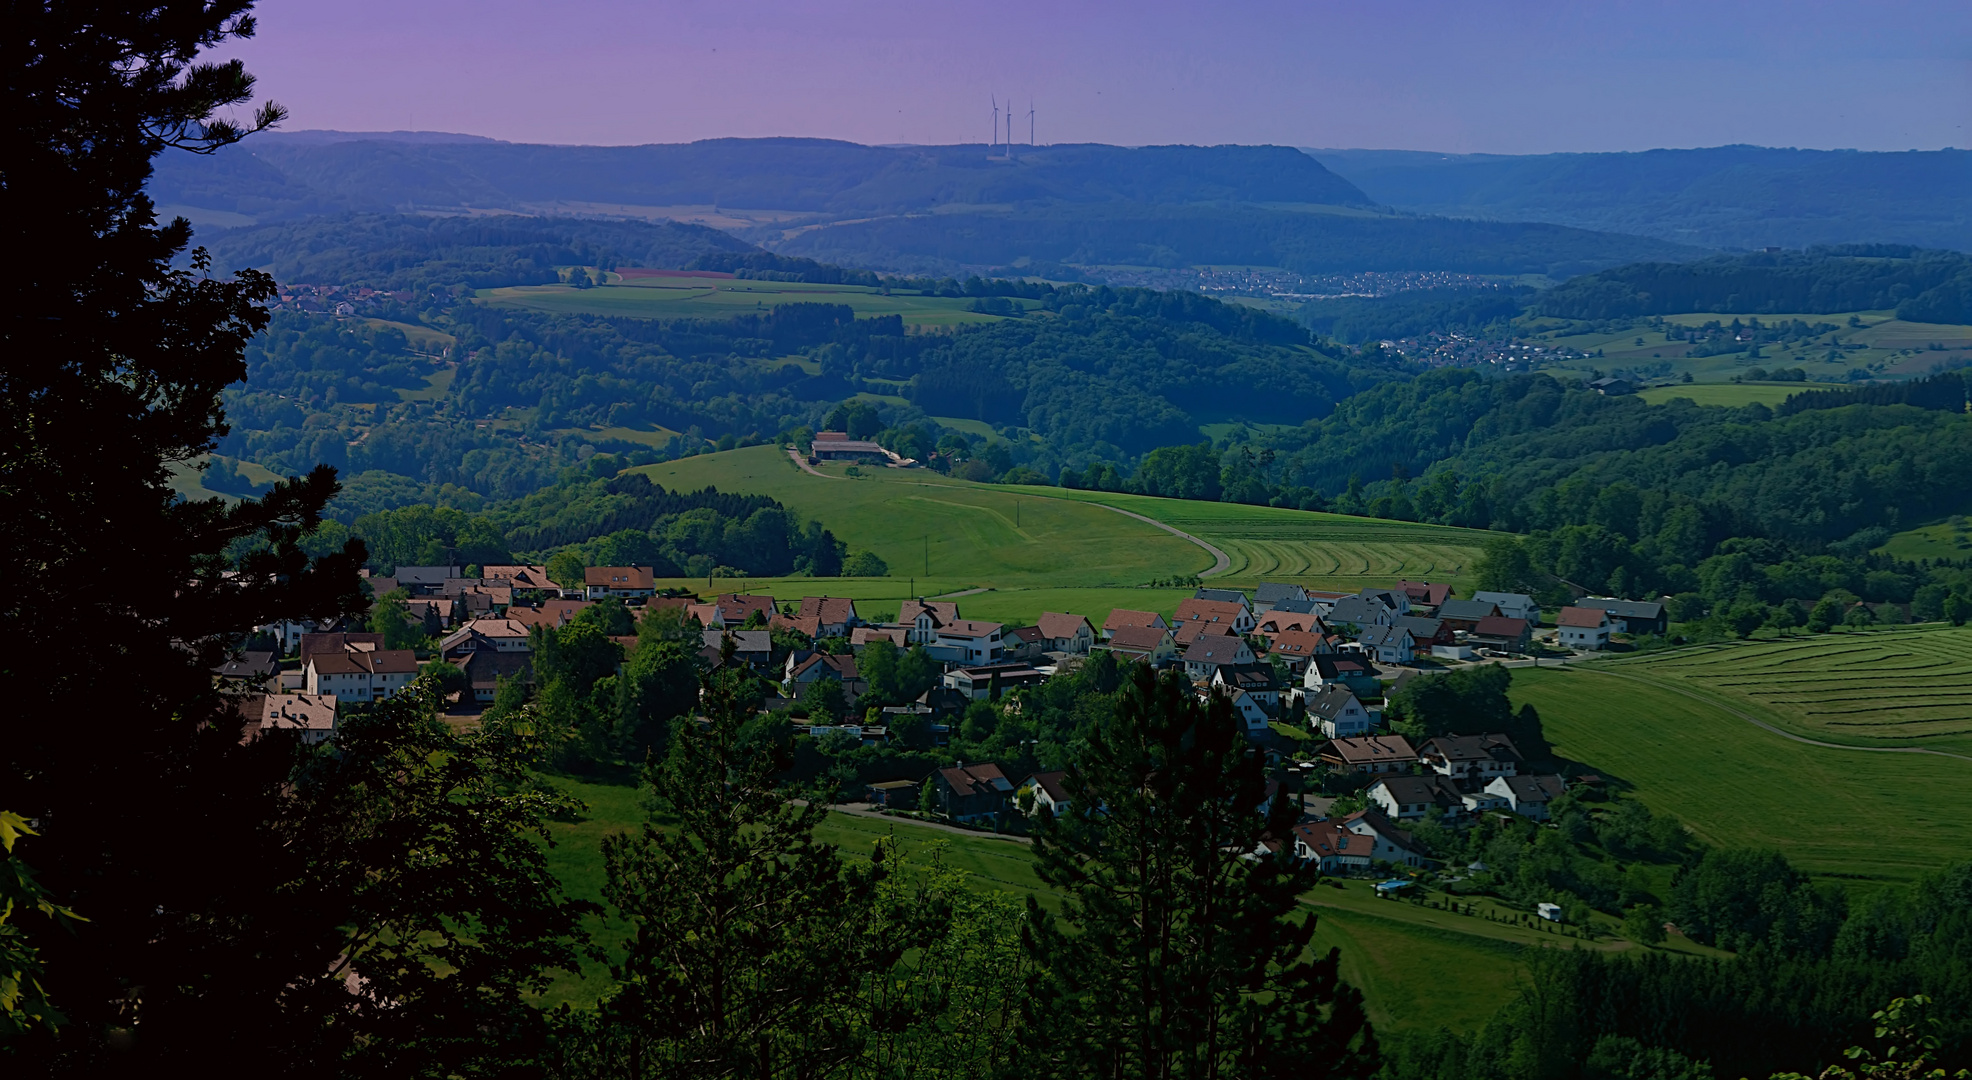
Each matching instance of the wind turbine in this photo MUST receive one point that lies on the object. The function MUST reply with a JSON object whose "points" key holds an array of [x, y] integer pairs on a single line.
{"points": [[1030, 121], [996, 122]]}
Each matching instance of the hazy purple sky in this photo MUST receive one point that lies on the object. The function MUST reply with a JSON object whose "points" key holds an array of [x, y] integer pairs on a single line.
{"points": [[1449, 75]]}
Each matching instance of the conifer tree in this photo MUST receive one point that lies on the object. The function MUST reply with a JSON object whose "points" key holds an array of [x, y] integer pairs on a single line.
{"points": [[1178, 952]]}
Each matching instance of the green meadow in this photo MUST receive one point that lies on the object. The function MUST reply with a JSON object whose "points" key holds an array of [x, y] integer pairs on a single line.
{"points": [[1950, 539], [1731, 395], [1882, 344], [713, 298], [1876, 688], [1843, 813]]}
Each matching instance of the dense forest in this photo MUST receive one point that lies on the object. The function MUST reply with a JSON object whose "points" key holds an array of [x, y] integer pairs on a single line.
{"points": [[1358, 319], [1921, 285], [415, 253]]}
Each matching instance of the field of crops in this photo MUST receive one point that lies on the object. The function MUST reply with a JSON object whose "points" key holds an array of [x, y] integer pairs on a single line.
{"points": [[1879, 688], [712, 298]]}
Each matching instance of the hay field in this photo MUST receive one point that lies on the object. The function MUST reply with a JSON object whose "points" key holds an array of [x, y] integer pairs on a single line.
{"points": [[1901, 687]]}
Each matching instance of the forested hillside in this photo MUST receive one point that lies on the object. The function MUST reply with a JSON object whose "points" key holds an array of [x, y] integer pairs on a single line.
{"points": [[1722, 196], [406, 252], [1921, 285]]}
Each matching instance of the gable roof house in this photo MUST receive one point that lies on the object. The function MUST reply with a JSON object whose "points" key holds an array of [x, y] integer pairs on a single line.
{"points": [[1583, 628], [425, 580], [1122, 617], [1337, 714], [754, 648], [1207, 653], [838, 446], [861, 637], [923, 617], [1631, 616], [485, 664], [1513, 605], [972, 792], [1388, 644], [1332, 847], [1023, 643], [1048, 793], [1154, 645], [1393, 845], [1424, 594], [619, 581], [1066, 633], [1474, 758], [521, 578], [732, 609], [1500, 632], [804, 668], [1426, 632], [1374, 755], [1285, 622], [312, 716], [1236, 618], [981, 682], [1528, 796], [1410, 798], [1350, 670], [1465, 614], [834, 616], [1268, 594], [1256, 713], [251, 668], [1223, 596], [359, 675], [1295, 648], [1307, 605], [551, 613], [1396, 600], [1361, 611], [1256, 679], [507, 635]]}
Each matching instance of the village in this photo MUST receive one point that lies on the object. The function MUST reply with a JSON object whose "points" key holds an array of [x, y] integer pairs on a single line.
{"points": [[1307, 672]]}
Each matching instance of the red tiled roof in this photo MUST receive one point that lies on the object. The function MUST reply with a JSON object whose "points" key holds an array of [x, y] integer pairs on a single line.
{"points": [[1224, 611], [829, 609], [618, 577], [1053, 624], [1122, 617], [1588, 618], [1500, 626], [1137, 638]]}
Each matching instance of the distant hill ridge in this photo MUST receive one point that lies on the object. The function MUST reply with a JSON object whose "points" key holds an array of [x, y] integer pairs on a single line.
{"points": [[822, 176], [1721, 196]]}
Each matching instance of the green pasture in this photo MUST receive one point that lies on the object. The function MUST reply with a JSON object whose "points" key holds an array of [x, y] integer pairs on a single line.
{"points": [[1886, 344], [931, 527], [423, 338], [436, 385], [1950, 539], [713, 298], [655, 435], [1841, 813], [1731, 395], [1902, 687], [1328, 551]]}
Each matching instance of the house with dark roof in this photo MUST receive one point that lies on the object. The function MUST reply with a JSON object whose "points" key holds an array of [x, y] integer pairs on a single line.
{"points": [[1393, 845], [1528, 796], [1336, 714], [1410, 798], [1427, 632], [1583, 628], [1465, 614], [1502, 633], [973, 792], [838, 446], [1631, 616], [1187, 632], [924, 617], [485, 665], [1395, 599], [754, 648], [1513, 605], [1066, 633], [1269, 594], [359, 675], [1207, 653], [1048, 793], [1306, 605], [1612, 386], [1361, 612], [1471, 758], [1256, 679], [1388, 644], [250, 668], [1223, 596], [1374, 755], [982, 682], [1351, 670]]}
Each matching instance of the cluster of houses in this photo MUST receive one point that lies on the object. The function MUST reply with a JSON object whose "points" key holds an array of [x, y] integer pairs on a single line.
{"points": [[1320, 661]]}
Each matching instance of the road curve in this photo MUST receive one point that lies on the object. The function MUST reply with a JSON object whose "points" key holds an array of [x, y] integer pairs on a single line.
{"points": [[1221, 562], [1763, 725]]}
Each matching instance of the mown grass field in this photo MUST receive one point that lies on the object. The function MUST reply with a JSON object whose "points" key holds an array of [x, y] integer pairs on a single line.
{"points": [[963, 535], [1843, 813], [1950, 539], [1320, 550], [1901, 687], [712, 298], [1731, 395], [1899, 348]]}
